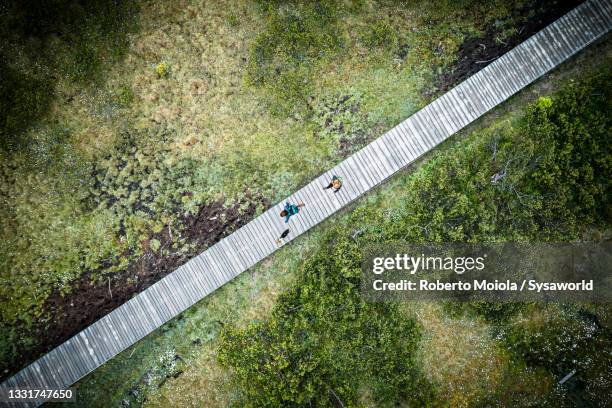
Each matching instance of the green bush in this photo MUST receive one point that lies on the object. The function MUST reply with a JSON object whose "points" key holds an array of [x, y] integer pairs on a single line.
{"points": [[45, 42], [163, 70], [555, 180], [493, 312], [24, 97], [562, 341], [542, 177], [574, 126], [339, 118], [323, 343], [380, 35], [124, 96], [283, 55]]}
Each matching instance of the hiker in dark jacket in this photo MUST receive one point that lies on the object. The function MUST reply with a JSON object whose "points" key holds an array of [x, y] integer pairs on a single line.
{"points": [[291, 209], [336, 184]]}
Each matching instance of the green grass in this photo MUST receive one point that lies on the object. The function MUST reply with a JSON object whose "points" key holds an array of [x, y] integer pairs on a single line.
{"points": [[135, 117], [482, 370], [50, 42]]}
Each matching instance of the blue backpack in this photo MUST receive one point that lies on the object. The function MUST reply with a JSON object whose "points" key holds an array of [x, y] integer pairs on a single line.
{"points": [[291, 209]]}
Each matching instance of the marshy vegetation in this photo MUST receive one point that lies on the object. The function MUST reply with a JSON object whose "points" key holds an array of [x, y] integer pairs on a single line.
{"points": [[323, 341], [124, 121], [131, 132], [309, 336]]}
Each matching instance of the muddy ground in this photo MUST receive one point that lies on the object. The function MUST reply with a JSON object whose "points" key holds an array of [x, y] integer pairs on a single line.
{"points": [[88, 302], [477, 52]]}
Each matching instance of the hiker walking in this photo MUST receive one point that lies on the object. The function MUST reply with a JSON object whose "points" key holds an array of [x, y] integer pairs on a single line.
{"points": [[336, 184], [291, 209]]}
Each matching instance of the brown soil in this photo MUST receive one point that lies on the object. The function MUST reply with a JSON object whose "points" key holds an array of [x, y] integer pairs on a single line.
{"points": [[477, 52], [88, 302]]}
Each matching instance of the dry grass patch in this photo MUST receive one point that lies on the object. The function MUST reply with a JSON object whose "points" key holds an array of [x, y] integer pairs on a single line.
{"points": [[212, 382], [458, 355]]}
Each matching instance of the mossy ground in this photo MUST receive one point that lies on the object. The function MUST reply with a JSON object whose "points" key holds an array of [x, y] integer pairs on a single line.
{"points": [[461, 355], [177, 108]]}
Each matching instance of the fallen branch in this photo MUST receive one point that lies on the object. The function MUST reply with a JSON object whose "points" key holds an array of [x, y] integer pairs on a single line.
{"points": [[567, 377], [485, 61], [357, 234], [500, 174], [520, 196], [337, 398], [495, 151]]}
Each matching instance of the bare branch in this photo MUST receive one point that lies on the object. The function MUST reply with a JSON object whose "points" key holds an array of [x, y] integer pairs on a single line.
{"points": [[337, 398], [485, 61], [500, 174]]}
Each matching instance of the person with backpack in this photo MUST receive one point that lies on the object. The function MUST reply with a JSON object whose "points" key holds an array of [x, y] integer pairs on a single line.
{"points": [[336, 184], [291, 209]]}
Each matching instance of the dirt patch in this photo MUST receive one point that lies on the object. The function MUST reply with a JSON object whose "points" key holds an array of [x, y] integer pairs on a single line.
{"points": [[477, 52], [89, 302]]}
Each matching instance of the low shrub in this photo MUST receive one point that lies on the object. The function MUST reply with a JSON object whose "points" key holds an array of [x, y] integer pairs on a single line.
{"points": [[24, 97], [564, 340], [282, 57], [340, 119], [163, 70], [323, 343], [380, 35]]}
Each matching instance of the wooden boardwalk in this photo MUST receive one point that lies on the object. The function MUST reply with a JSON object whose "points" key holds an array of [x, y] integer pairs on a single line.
{"points": [[364, 170]]}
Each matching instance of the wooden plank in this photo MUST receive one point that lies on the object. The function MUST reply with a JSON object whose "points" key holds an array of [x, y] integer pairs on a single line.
{"points": [[404, 149], [349, 184], [368, 163], [314, 210], [381, 160], [441, 119], [362, 171], [241, 257], [398, 148], [324, 205], [560, 32], [476, 100], [202, 274], [206, 270], [407, 127], [454, 115], [505, 86], [460, 105], [422, 129], [353, 174]]}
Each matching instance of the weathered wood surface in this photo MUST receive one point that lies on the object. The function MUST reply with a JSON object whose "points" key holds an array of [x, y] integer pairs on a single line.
{"points": [[364, 170]]}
